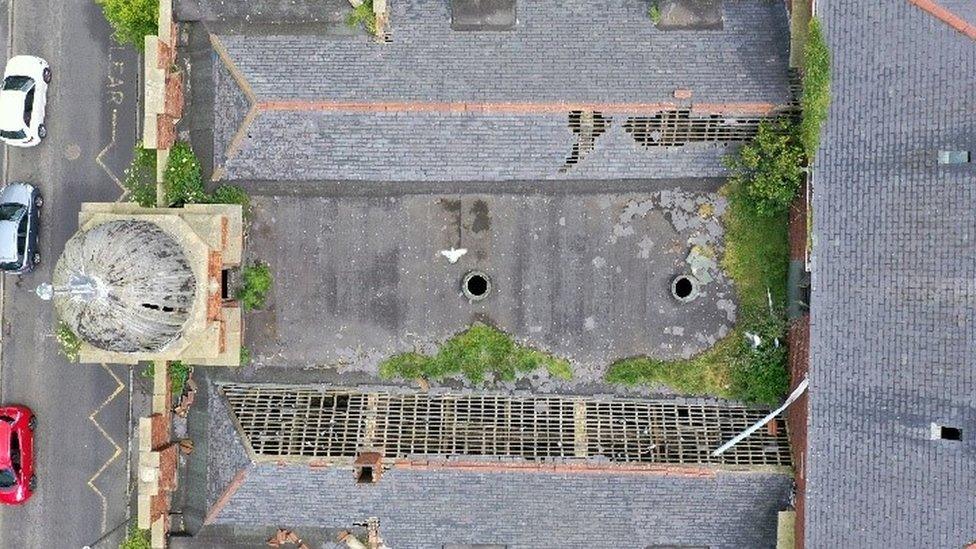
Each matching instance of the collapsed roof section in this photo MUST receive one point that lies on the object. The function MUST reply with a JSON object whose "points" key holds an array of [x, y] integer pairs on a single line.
{"points": [[437, 500], [437, 104]]}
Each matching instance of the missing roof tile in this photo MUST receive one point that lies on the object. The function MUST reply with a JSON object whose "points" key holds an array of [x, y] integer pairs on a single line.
{"points": [[588, 126], [482, 15], [945, 432]]}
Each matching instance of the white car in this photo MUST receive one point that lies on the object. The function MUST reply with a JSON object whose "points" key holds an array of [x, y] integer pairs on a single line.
{"points": [[23, 99]]}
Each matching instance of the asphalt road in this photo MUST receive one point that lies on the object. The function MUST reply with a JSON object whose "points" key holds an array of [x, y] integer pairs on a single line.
{"points": [[82, 408]]}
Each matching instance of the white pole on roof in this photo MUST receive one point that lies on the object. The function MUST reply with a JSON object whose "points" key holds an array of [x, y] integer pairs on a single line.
{"points": [[797, 393]]}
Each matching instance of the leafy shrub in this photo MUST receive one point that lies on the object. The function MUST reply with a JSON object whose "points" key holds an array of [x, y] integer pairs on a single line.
{"points": [[69, 343], [137, 539], [769, 169], [182, 179], [179, 374], [815, 97], [140, 177], [245, 356], [363, 16], [256, 283], [474, 353], [231, 194], [131, 20], [760, 374]]}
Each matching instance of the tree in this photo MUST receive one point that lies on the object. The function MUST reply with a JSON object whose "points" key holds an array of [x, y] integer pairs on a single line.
{"points": [[131, 20]]}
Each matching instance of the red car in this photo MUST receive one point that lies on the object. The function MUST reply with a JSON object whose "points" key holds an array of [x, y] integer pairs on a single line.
{"points": [[17, 479]]}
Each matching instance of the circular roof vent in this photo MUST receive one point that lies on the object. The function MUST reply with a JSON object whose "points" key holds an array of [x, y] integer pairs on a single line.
{"points": [[124, 286]]}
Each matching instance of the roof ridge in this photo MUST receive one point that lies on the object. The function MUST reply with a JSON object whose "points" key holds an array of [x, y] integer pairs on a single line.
{"points": [[958, 23]]}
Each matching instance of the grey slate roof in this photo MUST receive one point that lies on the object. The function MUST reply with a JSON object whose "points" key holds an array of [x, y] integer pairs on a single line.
{"points": [[428, 509], [562, 52], [893, 332]]}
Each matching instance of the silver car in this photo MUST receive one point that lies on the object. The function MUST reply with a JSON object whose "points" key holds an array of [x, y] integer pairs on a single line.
{"points": [[20, 209]]}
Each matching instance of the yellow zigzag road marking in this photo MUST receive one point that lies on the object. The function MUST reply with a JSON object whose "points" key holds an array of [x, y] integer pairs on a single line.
{"points": [[98, 159], [118, 450]]}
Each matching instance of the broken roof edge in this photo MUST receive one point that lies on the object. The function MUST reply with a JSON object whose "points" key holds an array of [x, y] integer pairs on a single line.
{"points": [[256, 109]]}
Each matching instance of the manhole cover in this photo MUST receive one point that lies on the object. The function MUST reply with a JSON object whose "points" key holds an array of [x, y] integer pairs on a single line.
{"points": [[72, 151]]}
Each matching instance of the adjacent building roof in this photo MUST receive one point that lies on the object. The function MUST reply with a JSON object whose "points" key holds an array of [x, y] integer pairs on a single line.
{"points": [[438, 104], [893, 332]]}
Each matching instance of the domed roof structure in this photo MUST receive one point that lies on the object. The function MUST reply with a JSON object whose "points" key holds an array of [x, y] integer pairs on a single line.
{"points": [[124, 286]]}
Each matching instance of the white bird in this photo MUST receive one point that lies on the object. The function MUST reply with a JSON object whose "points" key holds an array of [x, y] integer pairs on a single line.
{"points": [[453, 255]]}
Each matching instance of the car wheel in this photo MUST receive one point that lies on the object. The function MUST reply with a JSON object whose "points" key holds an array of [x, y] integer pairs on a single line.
{"points": [[46, 74], [37, 258], [32, 423], [42, 131], [32, 483], [38, 201]]}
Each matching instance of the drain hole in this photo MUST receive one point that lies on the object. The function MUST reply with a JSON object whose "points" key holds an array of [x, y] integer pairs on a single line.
{"points": [[684, 288], [476, 286]]}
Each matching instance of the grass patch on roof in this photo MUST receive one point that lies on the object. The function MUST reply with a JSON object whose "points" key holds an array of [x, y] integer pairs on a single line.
{"points": [[477, 353]]}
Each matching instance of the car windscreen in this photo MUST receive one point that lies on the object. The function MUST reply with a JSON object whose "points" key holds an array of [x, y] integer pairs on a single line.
{"points": [[7, 478], [11, 211], [28, 106], [19, 134], [20, 83]]}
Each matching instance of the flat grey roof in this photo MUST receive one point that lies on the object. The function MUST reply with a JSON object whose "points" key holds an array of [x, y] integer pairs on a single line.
{"points": [[893, 329], [584, 276]]}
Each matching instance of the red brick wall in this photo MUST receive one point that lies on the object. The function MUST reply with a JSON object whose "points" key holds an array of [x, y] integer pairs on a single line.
{"points": [[796, 415]]}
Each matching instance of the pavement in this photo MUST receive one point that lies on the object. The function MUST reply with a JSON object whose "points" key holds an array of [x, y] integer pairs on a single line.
{"points": [[83, 409]]}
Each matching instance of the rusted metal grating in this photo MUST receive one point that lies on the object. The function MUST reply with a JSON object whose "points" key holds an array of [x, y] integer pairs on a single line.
{"points": [[281, 421]]}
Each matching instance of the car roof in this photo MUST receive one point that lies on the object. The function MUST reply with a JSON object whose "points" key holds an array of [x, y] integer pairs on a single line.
{"points": [[8, 241], [12, 110]]}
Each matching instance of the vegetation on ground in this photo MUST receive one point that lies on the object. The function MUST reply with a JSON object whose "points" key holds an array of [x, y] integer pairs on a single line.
{"points": [[363, 16], [137, 539], [69, 344], [768, 171], [179, 374], [140, 177], [476, 353], [255, 284], [131, 20], [182, 179], [757, 259], [654, 12], [231, 194], [245, 356], [183, 182], [815, 97]]}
